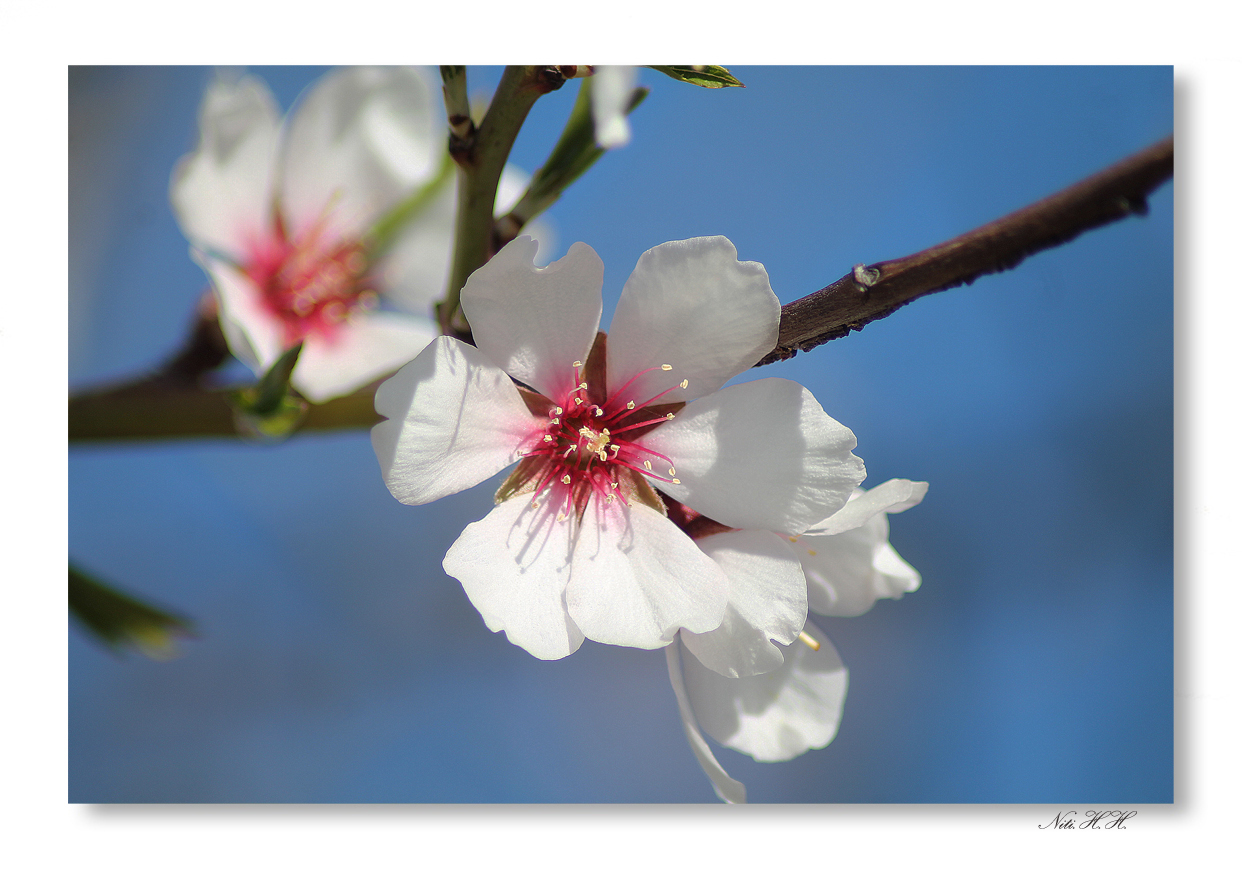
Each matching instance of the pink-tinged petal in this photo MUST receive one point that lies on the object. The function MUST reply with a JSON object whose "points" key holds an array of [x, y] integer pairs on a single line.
{"points": [[610, 97], [359, 142], [636, 578], [222, 192], [453, 420], [846, 573], [891, 496], [760, 455], [726, 788], [255, 335], [514, 564], [775, 716], [369, 347], [767, 601], [536, 322], [690, 304]]}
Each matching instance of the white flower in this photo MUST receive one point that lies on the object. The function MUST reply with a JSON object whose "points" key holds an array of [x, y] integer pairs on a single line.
{"points": [[279, 216], [796, 706], [611, 90], [579, 544]]}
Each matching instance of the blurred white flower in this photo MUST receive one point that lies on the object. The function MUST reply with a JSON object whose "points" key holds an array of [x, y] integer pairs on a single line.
{"points": [[283, 217], [722, 678], [611, 90], [580, 545]]}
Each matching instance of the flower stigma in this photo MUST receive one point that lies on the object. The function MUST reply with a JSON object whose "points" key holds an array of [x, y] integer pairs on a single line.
{"points": [[313, 283], [588, 445]]}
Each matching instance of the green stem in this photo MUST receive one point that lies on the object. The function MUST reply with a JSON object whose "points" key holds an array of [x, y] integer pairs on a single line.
{"points": [[479, 175]]}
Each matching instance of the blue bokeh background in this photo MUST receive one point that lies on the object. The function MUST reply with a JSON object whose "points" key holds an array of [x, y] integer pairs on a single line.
{"points": [[337, 663]]}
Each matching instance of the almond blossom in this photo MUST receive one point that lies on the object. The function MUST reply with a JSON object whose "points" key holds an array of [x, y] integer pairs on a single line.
{"points": [[282, 216], [580, 544], [778, 713]]}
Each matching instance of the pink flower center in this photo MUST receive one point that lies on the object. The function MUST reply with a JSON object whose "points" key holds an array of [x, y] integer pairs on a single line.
{"points": [[587, 447], [313, 283]]}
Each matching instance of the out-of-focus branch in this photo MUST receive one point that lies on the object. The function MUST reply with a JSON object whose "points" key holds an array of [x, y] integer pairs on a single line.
{"points": [[871, 292], [164, 407]]}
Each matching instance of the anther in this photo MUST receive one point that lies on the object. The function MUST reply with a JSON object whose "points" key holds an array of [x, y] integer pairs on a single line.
{"points": [[647, 464], [808, 640], [548, 439], [676, 482], [629, 405], [566, 479], [577, 364], [685, 383], [668, 416], [560, 410], [666, 367], [812, 553]]}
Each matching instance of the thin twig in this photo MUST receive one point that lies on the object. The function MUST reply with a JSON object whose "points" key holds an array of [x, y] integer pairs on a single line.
{"points": [[871, 292]]}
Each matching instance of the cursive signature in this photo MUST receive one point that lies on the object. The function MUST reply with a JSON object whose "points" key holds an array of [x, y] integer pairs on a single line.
{"points": [[1114, 819]]}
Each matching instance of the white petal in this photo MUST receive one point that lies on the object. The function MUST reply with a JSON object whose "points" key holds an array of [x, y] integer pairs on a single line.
{"points": [[255, 336], [413, 273], [759, 455], [536, 322], [846, 572], [726, 788], [767, 601], [775, 716], [359, 141], [373, 345], [454, 419], [690, 304], [892, 496], [610, 96], [222, 192], [513, 564], [637, 578], [840, 576]]}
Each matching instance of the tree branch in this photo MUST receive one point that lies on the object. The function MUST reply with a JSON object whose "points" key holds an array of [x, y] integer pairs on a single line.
{"points": [[871, 292], [167, 407]]}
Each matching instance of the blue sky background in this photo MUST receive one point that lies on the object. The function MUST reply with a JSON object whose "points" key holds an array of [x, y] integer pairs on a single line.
{"points": [[337, 662]]}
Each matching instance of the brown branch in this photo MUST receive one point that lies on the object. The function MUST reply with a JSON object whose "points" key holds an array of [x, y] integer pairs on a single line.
{"points": [[874, 291], [174, 404]]}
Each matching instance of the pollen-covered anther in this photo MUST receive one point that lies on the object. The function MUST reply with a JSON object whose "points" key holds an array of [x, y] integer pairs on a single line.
{"points": [[668, 416], [808, 640], [578, 365], [548, 439], [647, 464], [566, 479], [629, 405], [666, 367], [685, 383]]}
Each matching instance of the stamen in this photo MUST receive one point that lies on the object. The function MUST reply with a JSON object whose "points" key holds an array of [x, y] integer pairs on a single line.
{"points": [[808, 640]]}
